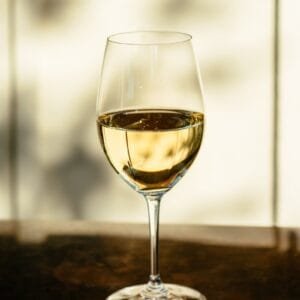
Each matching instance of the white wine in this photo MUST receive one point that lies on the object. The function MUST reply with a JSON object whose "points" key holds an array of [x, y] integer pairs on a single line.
{"points": [[151, 148]]}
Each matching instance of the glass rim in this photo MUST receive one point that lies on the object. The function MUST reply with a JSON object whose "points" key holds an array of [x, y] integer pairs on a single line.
{"points": [[135, 38]]}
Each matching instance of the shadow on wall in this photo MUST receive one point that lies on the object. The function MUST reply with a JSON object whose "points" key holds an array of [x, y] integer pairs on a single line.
{"points": [[77, 175], [49, 11], [72, 180]]}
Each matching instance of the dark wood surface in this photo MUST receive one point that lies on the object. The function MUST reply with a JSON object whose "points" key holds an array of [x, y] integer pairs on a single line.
{"points": [[80, 260]]}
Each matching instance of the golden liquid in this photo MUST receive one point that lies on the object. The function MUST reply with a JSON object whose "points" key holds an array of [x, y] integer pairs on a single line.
{"points": [[151, 148]]}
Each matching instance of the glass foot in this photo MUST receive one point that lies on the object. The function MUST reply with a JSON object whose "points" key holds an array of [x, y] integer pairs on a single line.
{"points": [[174, 292]]}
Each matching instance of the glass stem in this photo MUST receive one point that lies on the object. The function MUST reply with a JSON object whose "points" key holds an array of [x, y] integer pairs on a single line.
{"points": [[153, 204]]}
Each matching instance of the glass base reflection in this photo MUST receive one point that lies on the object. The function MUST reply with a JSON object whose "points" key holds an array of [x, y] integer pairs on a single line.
{"points": [[173, 292]]}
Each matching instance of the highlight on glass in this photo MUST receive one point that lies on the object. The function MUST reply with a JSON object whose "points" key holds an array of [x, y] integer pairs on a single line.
{"points": [[150, 122]]}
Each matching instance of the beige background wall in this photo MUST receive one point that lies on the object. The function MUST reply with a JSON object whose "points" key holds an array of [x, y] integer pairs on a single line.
{"points": [[62, 171]]}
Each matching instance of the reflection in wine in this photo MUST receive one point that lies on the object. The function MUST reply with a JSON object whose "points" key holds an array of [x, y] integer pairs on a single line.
{"points": [[151, 149]]}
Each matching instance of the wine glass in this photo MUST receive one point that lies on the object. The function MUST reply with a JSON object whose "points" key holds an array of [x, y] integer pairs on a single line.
{"points": [[150, 124]]}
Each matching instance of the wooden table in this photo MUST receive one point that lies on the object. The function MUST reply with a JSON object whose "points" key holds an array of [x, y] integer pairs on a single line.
{"points": [[85, 260]]}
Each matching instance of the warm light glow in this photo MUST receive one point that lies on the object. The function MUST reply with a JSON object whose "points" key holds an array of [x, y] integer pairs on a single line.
{"points": [[63, 173]]}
